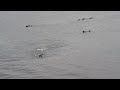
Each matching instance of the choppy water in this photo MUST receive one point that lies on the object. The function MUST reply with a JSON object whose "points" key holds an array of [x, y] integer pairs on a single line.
{"points": [[87, 56], [69, 54]]}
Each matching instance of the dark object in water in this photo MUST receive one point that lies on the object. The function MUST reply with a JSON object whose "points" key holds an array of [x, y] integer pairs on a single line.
{"points": [[83, 18], [83, 31], [40, 56], [91, 18], [28, 25], [39, 52], [78, 19], [86, 31], [89, 31]]}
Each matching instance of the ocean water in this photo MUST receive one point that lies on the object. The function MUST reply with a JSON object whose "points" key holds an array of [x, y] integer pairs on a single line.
{"points": [[70, 54]]}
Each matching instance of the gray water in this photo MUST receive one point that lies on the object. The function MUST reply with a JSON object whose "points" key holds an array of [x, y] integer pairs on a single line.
{"points": [[69, 54]]}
